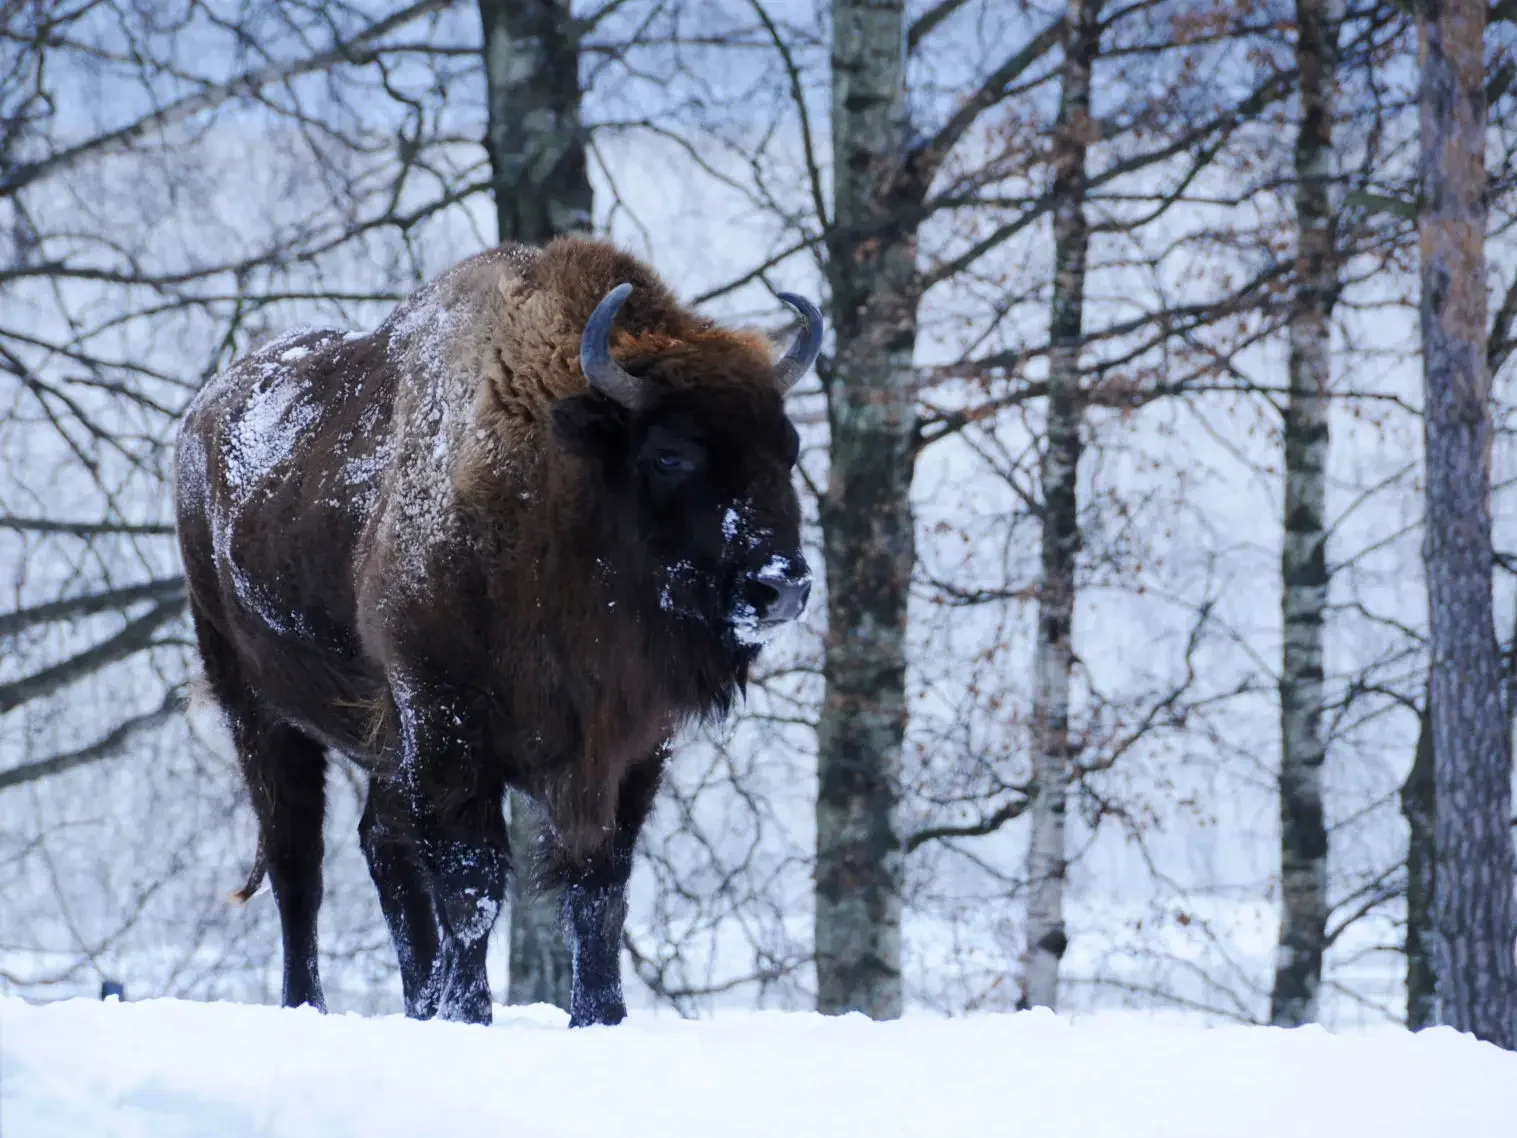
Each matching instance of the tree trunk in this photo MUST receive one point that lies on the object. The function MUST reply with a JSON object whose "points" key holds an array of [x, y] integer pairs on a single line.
{"points": [[541, 189], [1417, 809], [1059, 473], [533, 133], [866, 522], [1303, 558], [1472, 756]]}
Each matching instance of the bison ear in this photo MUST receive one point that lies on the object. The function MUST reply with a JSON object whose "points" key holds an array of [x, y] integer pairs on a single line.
{"points": [[590, 424]]}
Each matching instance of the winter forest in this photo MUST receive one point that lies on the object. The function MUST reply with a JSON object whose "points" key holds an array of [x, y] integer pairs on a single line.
{"points": [[1167, 376]]}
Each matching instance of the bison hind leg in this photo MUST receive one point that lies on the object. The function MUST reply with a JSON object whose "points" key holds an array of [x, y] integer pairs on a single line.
{"points": [[286, 776], [285, 771]]}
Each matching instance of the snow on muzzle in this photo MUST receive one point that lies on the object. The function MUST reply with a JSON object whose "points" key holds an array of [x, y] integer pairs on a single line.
{"points": [[772, 595]]}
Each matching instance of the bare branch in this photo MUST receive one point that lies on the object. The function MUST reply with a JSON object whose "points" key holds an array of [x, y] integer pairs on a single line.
{"points": [[73, 608], [928, 157], [137, 635], [987, 825], [925, 24], [248, 83], [106, 747], [84, 529]]}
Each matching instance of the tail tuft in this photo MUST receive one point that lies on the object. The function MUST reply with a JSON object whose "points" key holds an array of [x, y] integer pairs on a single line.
{"points": [[255, 878]]}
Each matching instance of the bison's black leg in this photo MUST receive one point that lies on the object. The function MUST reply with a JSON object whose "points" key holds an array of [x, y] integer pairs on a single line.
{"points": [[469, 860], [455, 810], [285, 772], [286, 776], [594, 903], [405, 894]]}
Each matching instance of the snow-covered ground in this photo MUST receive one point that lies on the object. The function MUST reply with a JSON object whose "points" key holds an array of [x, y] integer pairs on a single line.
{"points": [[176, 1069]]}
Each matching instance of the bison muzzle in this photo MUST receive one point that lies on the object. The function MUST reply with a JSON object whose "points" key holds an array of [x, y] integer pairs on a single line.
{"points": [[515, 537]]}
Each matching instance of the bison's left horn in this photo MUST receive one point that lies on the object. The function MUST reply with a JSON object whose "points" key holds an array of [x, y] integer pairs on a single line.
{"points": [[603, 373], [808, 344]]}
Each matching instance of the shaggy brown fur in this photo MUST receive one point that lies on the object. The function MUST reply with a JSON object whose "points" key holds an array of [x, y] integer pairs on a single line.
{"points": [[434, 549]]}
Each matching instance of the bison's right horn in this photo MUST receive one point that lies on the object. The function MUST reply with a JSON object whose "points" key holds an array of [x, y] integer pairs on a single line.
{"points": [[808, 344], [603, 373]]}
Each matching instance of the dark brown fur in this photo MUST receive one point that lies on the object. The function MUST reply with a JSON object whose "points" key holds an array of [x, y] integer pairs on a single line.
{"points": [[531, 605]]}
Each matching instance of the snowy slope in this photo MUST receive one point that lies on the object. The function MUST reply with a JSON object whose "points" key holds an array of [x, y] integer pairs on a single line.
{"points": [[170, 1069]]}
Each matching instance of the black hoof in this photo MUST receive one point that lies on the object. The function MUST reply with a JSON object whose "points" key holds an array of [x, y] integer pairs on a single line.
{"points": [[588, 1011], [472, 1007], [304, 996]]}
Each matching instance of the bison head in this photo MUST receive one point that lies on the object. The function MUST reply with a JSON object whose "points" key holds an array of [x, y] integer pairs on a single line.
{"points": [[691, 440]]}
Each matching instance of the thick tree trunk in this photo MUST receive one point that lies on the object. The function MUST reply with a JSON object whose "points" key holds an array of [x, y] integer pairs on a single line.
{"points": [[1472, 757], [1417, 808], [1059, 474], [533, 133], [1303, 559], [866, 523], [541, 189], [541, 968]]}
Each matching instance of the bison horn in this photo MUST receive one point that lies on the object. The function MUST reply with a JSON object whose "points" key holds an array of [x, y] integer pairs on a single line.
{"points": [[603, 373], [808, 344]]}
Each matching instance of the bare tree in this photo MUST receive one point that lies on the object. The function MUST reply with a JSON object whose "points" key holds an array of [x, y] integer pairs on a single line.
{"points": [[868, 536], [1053, 656], [1473, 867], [714, 150], [1303, 562]]}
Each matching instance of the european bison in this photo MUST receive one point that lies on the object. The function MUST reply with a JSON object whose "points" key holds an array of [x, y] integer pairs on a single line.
{"points": [[514, 537]]}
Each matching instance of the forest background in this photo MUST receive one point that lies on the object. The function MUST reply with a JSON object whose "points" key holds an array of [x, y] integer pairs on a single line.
{"points": [[1114, 459]]}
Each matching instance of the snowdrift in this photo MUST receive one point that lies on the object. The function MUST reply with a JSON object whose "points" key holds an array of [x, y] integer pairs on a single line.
{"points": [[173, 1069]]}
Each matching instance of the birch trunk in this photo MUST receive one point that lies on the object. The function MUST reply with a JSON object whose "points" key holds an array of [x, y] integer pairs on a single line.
{"points": [[866, 523], [1046, 859], [1472, 757], [533, 130], [1303, 559], [541, 189]]}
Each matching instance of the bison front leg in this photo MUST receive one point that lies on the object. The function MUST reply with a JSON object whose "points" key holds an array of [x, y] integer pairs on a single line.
{"points": [[594, 901], [470, 870], [454, 810], [404, 883]]}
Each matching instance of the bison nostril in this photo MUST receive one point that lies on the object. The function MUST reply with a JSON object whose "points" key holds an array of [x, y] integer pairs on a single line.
{"points": [[777, 598], [762, 595]]}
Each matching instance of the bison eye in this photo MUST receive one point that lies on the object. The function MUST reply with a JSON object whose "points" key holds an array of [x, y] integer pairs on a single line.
{"points": [[674, 462]]}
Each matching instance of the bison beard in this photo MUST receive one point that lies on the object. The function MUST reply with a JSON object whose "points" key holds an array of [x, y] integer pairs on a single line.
{"points": [[491, 544]]}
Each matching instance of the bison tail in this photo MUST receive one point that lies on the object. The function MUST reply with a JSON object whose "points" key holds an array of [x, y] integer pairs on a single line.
{"points": [[255, 878]]}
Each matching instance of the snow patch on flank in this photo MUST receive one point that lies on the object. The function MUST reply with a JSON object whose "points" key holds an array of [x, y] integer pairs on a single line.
{"points": [[165, 1067], [257, 601], [284, 346], [194, 469], [361, 473], [263, 434], [361, 470], [436, 408]]}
